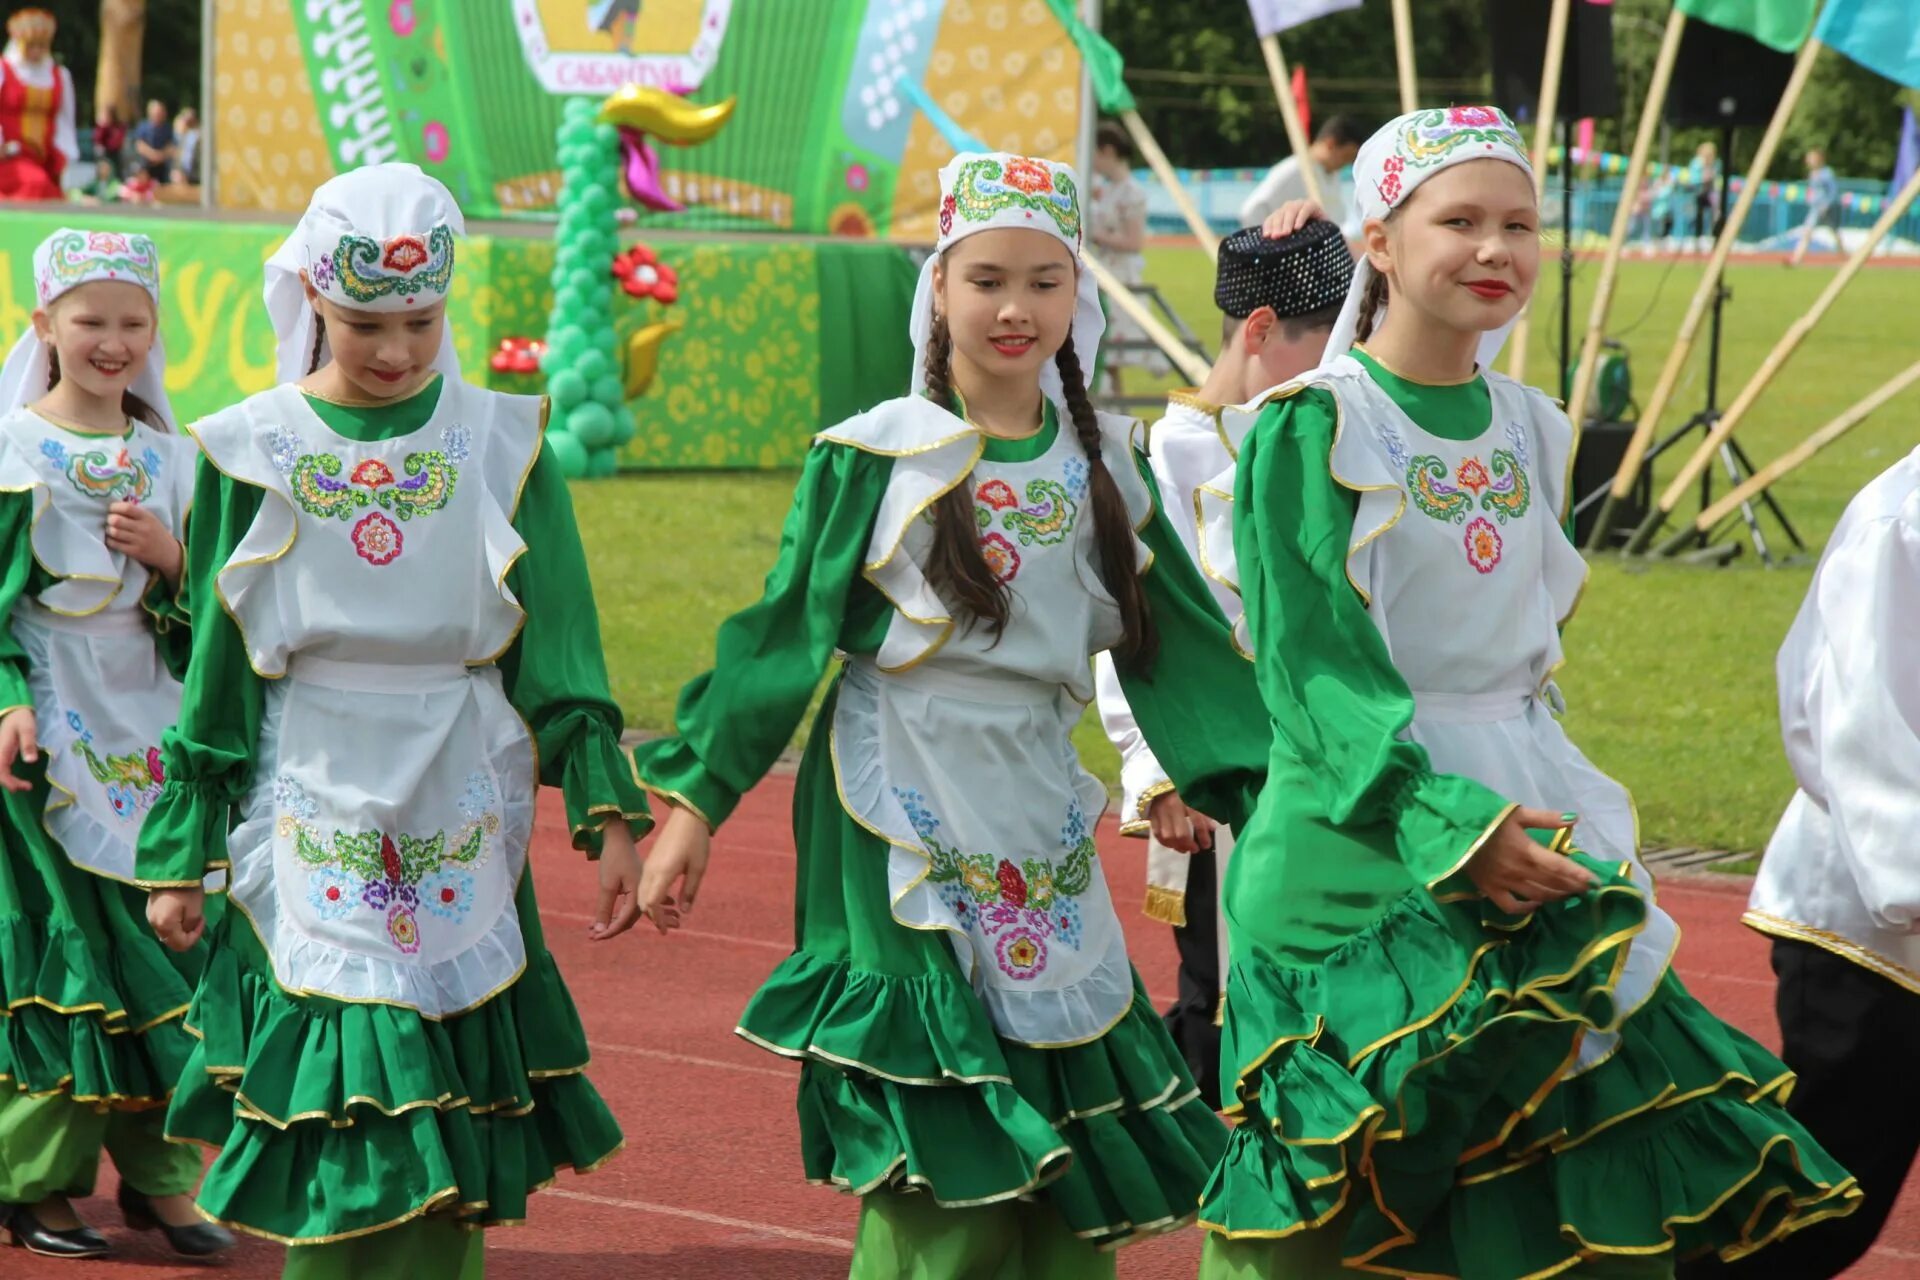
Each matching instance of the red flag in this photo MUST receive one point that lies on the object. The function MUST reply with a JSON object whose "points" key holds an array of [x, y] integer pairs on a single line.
{"points": [[1300, 99]]}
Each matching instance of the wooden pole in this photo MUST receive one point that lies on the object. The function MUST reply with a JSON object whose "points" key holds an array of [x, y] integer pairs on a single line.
{"points": [[1789, 461], [1157, 161], [1290, 116], [1192, 367], [1588, 368], [1545, 112], [1782, 352], [1800, 250], [1403, 55], [1709, 286]]}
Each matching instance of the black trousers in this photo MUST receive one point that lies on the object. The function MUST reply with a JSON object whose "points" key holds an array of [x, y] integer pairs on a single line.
{"points": [[1853, 1037], [1192, 1020]]}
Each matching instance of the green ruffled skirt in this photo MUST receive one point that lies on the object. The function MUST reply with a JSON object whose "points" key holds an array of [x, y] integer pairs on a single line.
{"points": [[904, 1083], [337, 1119], [1420, 1087], [93, 1002]]}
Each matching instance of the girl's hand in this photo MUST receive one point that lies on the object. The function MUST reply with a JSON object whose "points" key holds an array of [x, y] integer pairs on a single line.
{"points": [[19, 739], [619, 883], [132, 530], [178, 916], [1517, 874], [678, 857], [1290, 217], [1179, 828]]}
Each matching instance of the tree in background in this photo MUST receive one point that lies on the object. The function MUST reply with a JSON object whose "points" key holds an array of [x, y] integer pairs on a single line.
{"points": [[123, 29]]}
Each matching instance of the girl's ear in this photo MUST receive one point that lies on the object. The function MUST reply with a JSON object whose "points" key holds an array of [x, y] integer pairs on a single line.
{"points": [[1378, 245], [43, 326], [313, 294]]}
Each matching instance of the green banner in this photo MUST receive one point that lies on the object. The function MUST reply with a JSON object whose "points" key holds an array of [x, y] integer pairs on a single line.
{"points": [[825, 137], [740, 383]]}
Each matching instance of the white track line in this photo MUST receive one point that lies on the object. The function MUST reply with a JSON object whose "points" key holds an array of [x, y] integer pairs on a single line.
{"points": [[661, 1055], [711, 1219]]}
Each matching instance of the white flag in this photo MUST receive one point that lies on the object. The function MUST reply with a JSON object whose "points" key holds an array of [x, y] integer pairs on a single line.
{"points": [[1271, 17]]}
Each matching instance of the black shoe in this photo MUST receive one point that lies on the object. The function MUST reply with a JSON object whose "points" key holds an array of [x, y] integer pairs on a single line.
{"points": [[195, 1240], [24, 1231]]}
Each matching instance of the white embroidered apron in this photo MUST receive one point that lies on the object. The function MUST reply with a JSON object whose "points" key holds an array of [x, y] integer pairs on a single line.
{"points": [[101, 694], [960, 755], [387, 828], [1468, 578]]}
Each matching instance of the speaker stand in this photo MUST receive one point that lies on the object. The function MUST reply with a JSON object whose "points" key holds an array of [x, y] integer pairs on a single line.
{"points": [[1733, 457]]}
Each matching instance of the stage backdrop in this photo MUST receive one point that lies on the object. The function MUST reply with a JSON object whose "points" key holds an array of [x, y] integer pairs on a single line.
{"points": [[779, 339], [827, 138]]}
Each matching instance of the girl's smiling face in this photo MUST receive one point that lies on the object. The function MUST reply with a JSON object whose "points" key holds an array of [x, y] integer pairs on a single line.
{"points": [[383, 354], [1464, 250], [1008, 297], [103, 331]]}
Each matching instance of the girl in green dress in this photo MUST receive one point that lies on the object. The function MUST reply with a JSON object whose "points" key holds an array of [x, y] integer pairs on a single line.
{"points": [[978, 1060], [93, 492], [404, 644], [1455, 1040]]}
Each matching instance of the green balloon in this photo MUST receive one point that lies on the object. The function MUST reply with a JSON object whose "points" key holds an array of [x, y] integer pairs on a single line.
{"points": [[607, 391], [592, 424], [567, 388], [593, 363], [606, 135], [602, 463], [624, 427], [568, 452]]}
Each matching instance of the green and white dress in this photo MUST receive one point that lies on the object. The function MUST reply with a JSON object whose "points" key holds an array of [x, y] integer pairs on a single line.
{"points": [[1453, 1091], [959, 995], [407, 644], [91, 1040]]}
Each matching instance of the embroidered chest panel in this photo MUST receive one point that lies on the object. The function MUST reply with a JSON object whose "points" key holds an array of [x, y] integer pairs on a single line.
{"points": [[379, 491], [1481, 492], [1042, 512], [114, 471]]}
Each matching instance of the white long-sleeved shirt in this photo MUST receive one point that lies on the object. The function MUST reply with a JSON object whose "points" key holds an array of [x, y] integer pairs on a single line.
{"points": [[1284, 182], [1843, 868]]}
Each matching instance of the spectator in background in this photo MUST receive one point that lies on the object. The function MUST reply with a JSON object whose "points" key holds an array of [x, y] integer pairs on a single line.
{"points": [[1823, 200], [153, 143], [1117, 226], [186, 167], [1703, 181], [1333, 149], [109, 140]]}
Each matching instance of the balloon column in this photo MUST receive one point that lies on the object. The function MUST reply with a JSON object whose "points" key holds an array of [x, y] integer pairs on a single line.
{"points": [[589, 377]]}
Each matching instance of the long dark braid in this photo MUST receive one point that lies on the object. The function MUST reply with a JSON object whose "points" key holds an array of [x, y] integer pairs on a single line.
{"points": [[319, 340], [1370, 303], [1112, 526], [131, 405], [955, 563]]}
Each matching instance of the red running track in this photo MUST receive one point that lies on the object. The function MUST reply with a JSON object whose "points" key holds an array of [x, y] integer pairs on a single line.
{"points": [[709, 1187]]}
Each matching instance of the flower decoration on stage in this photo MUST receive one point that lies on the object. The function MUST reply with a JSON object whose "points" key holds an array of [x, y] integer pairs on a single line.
{"points": [[606, 151], [642, 274], [518, 355]]}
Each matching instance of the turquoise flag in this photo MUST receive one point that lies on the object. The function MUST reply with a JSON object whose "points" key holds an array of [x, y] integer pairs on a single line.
{"points": [[1881, 35], [1778, 24]]}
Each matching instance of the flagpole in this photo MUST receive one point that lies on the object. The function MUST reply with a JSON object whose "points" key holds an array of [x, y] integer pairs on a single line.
{"points": [[1776, 359], [1290, 117], [1157, 161], [1192, 366], [1545, 113], [1709, 286], [1403, 55]]}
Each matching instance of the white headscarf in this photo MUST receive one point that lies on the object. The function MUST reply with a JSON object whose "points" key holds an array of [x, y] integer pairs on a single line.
{"points": [[984, 192], [63, 262], [378, 238], [1394, 162]]}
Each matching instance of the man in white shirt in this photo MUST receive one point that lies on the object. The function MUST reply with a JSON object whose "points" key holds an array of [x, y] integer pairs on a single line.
{"points": [[1332, 150], [1280, 288]]}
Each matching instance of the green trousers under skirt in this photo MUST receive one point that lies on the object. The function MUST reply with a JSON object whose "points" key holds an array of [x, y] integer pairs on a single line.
{"points": [[906, 1236], [51, 1146], [431, 1248], [1315, 1255]]}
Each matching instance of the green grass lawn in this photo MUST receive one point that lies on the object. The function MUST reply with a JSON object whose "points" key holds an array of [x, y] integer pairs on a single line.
{"points": [[1670, 667]]}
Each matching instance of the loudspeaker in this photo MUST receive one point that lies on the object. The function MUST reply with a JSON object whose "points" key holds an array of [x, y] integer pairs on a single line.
{"points": [[1724, 79], [1602, 445], [1519, 47]]}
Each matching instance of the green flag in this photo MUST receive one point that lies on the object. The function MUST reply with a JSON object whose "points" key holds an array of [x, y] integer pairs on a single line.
{"points": [[1102, 59], [1778, 24]]}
